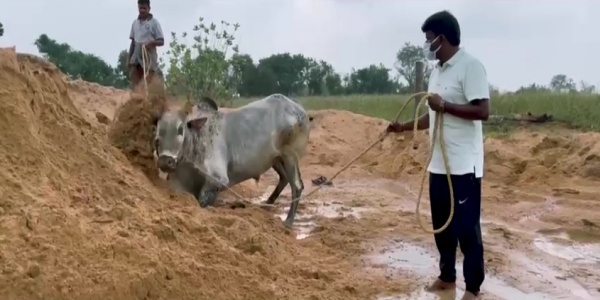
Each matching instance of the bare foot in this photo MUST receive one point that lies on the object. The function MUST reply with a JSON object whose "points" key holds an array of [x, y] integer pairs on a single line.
{"points": [[439, 285], [469, 296]]}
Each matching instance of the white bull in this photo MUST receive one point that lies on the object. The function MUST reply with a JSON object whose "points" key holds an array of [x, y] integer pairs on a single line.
{"points": [[233, 147]]}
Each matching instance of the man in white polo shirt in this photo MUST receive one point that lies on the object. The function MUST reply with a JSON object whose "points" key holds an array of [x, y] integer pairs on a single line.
{"points": [[460, 91]]}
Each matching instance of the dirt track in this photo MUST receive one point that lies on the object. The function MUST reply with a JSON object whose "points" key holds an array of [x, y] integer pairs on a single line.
{"points": [[79, 221]]}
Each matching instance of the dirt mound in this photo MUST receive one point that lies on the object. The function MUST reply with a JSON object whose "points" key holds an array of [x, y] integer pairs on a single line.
{"points": [[545, 156], [338, 136], [78, 221], [132, 132], [93, 99]]}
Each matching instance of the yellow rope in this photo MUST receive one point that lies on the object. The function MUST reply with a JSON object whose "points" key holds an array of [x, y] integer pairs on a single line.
{"points": [[145, 68], [438, 132]]}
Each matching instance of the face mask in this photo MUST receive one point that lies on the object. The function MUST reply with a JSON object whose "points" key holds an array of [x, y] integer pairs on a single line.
{"points": [[430, 55]]}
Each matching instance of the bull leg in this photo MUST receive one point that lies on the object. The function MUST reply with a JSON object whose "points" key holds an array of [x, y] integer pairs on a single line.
{"points": [[292, 172], [208, 195], [278, 167], [215, 182]]}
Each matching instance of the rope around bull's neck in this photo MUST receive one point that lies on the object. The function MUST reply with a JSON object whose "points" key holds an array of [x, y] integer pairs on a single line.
{"points": [[438, 132]]}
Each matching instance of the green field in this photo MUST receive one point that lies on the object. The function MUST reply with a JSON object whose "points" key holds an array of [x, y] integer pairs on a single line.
{"points": [[580, 111]]}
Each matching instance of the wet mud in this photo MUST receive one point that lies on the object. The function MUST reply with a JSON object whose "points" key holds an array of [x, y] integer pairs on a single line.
{"points": [[522, 263]]}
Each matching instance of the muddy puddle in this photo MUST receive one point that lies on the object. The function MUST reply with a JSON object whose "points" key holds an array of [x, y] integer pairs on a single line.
{"points": [[562, 246], [421, 263], [574, 245], [305, 222], [540, 263]]}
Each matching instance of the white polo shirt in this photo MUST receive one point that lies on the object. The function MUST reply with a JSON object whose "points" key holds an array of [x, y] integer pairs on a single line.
{"points": [[460, 80]]}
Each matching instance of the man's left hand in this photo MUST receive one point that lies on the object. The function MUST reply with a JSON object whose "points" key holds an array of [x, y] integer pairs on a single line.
{"points": [[149, 44], [436, 103]]}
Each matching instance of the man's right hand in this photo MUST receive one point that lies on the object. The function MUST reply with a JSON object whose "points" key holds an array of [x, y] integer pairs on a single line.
{"points": [[394, 127]]}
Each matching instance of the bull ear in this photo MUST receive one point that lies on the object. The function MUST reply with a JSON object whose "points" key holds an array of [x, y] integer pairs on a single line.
{"points": [[197, 123]]}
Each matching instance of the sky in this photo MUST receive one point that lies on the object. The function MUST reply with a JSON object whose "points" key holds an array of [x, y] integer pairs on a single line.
{"points": [[519, 42]]}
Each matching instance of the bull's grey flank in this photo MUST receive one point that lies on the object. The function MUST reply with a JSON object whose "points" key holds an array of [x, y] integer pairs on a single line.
{"points": [[233, 147]]}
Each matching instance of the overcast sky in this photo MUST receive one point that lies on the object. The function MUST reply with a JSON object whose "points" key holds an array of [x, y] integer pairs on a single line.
{"points": [[519, 42]]}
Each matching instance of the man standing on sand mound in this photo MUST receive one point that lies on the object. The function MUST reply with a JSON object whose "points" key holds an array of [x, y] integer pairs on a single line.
{"points": [[145, 31], [460, 90]]}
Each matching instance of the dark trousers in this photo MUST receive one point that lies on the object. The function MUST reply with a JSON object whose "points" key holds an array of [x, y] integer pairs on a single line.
{"points": [[465, 228]]}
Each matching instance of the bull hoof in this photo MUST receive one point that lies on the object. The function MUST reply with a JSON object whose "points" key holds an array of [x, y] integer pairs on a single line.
{"points": [[288, 223]]}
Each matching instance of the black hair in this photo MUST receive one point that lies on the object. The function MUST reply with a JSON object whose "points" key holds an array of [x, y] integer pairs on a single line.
{"points": [[147, 2], [443, 23]]}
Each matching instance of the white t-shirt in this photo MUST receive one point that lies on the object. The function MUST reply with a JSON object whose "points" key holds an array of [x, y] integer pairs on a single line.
{"points": [[460, 80]]}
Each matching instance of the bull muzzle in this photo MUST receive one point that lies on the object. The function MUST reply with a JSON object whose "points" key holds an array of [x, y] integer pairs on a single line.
{"points": [[167, 163]]}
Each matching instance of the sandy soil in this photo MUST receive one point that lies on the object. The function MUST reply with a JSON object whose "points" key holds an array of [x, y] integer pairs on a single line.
{"points": [[80, 219]]}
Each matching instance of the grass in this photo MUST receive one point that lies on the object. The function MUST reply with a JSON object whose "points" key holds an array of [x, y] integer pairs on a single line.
{"points": [[581, 111]]}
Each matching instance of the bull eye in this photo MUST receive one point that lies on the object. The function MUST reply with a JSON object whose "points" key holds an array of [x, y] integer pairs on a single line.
{"points": [[180, 130]]}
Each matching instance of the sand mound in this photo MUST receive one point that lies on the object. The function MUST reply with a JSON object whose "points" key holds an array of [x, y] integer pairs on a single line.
{"points": [[78, 221], [132, 132], [338, 136], [95, 101], [545, 156]]}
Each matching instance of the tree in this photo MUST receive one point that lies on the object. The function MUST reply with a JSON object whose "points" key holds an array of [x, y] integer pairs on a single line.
{"points": [[244, 75], [406, 58], [202, 69], [1, 29], [586, 87], [562, 83], [532, 88], [76, 64], [122, 70], [321, 79], [284, 73], [374, 79]]}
